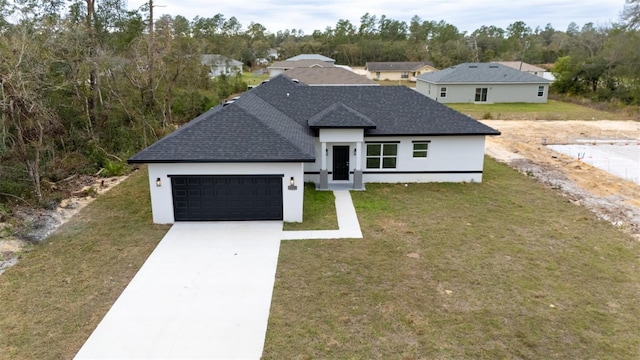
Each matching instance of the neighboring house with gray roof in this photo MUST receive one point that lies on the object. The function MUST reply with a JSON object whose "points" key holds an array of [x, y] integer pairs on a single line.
{"points": [[221, 65], [483, 83], [316, 57], [329, 76], [402, 70], [279, 67], [248, 160]]}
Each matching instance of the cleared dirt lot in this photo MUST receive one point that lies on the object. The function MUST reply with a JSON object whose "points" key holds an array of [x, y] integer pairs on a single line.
{"points": [[522, 145]]}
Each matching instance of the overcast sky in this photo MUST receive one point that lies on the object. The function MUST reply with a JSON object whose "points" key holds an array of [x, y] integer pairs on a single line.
{"points": [[466, 15]]}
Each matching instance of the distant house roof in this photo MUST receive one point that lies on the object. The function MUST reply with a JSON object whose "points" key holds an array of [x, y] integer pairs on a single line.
{"points": [[522, 66], [216, 59], [273, 122], [311, 57], [328, 76], [485, 73], [396, 66], [288, 64]]}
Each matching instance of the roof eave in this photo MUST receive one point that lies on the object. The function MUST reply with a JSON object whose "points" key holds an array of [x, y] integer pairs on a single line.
{"points": [[199, 161]]}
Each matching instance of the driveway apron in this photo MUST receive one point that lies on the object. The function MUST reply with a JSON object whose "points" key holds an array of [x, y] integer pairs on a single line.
{"points": [[205, 293]]}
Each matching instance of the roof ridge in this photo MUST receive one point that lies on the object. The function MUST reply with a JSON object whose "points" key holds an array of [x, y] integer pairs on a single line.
{"points": [[264, 121]]}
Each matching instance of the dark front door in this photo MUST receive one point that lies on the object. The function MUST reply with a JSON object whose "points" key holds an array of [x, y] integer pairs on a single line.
{"points": [[211, 198], [341, 163]]}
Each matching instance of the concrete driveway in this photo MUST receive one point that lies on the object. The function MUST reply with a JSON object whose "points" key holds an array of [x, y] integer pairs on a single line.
{"points": [[204, 293]]}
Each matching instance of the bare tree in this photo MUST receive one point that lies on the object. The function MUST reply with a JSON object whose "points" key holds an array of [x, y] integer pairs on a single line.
{"points": [[28, 119], [631, 13]]}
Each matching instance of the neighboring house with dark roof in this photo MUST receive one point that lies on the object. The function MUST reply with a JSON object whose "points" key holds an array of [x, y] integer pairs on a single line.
{"points": [[249, 160], [279, 67], [329, 76], [221, 65], [397, 70], [483, 83]]}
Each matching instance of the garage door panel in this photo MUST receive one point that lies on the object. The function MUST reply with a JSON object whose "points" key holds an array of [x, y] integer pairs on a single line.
{"points": [[210, 198]]}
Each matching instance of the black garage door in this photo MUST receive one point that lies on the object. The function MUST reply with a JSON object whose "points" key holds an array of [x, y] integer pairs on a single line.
{"points": [[209, 198]]}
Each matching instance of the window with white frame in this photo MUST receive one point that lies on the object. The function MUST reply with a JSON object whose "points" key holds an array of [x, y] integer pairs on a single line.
{"points": [[443, 92], [420, 149], [541, 90], [377, 74], [404, 75], [382, 155]]}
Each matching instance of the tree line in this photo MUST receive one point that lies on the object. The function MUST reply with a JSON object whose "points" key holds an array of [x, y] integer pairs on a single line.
{"points": [[84, 84]]}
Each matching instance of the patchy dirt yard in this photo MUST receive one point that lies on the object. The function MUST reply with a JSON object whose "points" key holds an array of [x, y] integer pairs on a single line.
{"points": [[522, 146], [37, 224]]}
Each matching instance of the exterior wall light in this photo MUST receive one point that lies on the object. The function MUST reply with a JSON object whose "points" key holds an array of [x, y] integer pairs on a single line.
{"points": [[292, 184], [158, 182], [326, 152], [355, 151]]}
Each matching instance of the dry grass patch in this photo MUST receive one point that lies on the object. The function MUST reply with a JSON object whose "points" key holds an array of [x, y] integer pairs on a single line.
{"points": [[55, 296], [503, 269]]}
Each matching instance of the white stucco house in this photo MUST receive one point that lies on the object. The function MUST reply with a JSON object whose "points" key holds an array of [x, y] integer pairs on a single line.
{"points": [[483, 83], [248, 160], [402, 70], [528, 68], [221, 65]]}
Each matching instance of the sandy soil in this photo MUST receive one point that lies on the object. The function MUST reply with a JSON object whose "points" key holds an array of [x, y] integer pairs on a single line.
{"points": [[521, 145], [39, 224]]}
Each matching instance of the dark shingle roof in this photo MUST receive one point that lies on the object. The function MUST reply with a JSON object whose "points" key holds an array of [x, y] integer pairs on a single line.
{"points": [[396, 66], [228, 134], [484, 73], [273, 121], [340, 115]]}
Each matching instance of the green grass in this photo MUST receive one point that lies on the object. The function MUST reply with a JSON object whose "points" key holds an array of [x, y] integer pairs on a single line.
{"points": [[319, 212], [252, 80], [552, 110], [55, 296], [504, 269]]}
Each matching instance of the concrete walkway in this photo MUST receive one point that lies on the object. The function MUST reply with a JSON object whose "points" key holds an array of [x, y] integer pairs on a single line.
{"points": [[205, 291], [348, 224]]}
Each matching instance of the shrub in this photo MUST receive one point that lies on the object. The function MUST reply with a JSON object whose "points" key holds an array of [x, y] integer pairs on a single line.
{"points": [[113, 168]]}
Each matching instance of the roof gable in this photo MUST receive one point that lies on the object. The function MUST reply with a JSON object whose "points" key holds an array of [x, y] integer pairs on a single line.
{"points": [[480, 73]]}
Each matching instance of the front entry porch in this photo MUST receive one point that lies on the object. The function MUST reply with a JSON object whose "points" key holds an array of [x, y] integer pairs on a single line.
{"points": [[345, 162]]}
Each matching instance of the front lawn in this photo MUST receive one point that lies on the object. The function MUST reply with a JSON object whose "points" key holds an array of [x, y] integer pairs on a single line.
{"points": [[504, 269], [552, 110], [54, 298]]}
